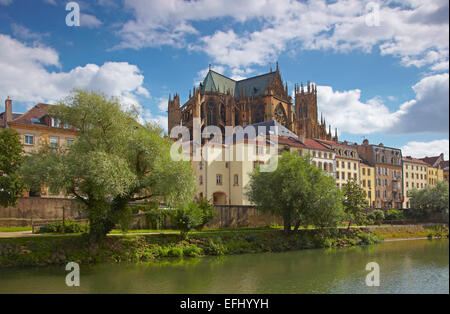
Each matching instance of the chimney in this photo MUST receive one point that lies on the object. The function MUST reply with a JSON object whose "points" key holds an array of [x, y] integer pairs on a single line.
{"points": [[8, 110]]}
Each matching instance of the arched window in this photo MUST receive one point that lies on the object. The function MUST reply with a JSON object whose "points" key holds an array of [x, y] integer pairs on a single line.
{"points": [[280, 115], [223, 113], [212, 114], [237, 121], [259, 114]]}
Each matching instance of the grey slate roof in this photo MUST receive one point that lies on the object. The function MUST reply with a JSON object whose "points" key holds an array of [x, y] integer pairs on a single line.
{"points": [[253, 86]]}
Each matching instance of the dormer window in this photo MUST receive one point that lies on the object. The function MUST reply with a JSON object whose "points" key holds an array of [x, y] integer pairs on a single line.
{"points": [[55, 123]]}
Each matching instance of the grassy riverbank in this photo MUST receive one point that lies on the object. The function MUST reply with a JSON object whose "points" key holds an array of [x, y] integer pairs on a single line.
{"points": [[41, 251]]}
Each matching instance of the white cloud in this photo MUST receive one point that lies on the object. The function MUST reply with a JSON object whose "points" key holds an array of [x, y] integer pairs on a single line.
{"points": [[423, 149], [26, 76], [428, 112], [89, 21], [415, 31], [163, 104], [22, 32]]}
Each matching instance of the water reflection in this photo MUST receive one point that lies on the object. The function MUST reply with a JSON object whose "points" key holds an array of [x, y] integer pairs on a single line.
{"points": [[406, 267]]}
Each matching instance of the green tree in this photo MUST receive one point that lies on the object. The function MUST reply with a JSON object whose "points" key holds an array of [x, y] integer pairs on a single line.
{"points": [[298, 192], [430, 202], [114, 160], [354, 202], [11, 185], [188, 217], [208, 212]]}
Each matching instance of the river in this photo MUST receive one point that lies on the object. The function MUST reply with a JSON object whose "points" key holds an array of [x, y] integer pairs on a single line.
{"points": [[419, 266]]}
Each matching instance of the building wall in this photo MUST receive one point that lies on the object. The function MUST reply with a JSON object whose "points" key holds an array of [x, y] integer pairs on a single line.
{"points": [[40, 209], [368, 183], [346, 169], [432, 176], [415, 176]]}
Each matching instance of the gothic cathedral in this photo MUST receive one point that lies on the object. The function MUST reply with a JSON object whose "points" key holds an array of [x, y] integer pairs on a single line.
{"points": [[222, 101]]}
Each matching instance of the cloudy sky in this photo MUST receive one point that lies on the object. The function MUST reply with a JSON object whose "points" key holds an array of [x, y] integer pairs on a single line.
{"points": [[381, 66]]}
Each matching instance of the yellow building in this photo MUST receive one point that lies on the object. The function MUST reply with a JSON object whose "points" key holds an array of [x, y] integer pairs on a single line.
{"points": [[367, 180], [416, 175], [432, 176], [37, 128]]}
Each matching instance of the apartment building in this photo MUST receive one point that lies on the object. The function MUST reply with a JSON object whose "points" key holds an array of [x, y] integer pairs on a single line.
{"points": [[367, 182], [415, 176], [346, 161], [387, 162], [36, 128]]}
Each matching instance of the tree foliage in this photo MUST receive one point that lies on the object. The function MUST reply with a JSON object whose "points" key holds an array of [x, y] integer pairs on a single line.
{"points": [[430, 202], [11, 185], [298, 192], [114, 160], [354, 202]]}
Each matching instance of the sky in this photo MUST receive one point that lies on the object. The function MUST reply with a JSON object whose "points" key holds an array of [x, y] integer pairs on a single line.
{"points": [[381, 67]]}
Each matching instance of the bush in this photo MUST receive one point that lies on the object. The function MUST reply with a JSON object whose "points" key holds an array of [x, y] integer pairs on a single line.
{"points": [[187, 218], [377, 216], [69, 227], [215, 248], [192, 251], [175, 252], [394, 214], [208, 212], [156, 218]]}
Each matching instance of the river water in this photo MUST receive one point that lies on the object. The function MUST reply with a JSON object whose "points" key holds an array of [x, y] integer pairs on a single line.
{"points": [[419, 266]]}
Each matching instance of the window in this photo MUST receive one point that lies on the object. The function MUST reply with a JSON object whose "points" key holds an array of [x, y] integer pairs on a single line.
{"points": [[354, 166], [201, 165], [201, 180], [236, 179], [55, 123], [53, 141], [29, 139], [368, 172], [337, 174], [69, 142], [364, 183], [363, 171], [369, 194], [67, 125], [337, 164], [368, 184], [349, 165], [226, 165], [219, 179], [343, 165], [255, 164], [355, 176]]}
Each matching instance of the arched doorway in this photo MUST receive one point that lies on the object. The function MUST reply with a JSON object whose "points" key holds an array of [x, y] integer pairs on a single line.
{"points": [[219, 198]]}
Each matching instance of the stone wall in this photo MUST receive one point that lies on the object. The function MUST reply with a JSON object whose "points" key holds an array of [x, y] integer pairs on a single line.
{"points": [[240, 216], [39, 209]]}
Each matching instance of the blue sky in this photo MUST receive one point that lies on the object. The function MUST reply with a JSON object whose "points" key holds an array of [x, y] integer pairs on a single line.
{"points": [[381, 67]]}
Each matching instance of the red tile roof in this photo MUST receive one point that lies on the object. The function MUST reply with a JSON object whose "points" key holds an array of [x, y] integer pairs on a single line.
{"points": [[310, 143], [37, 112]]}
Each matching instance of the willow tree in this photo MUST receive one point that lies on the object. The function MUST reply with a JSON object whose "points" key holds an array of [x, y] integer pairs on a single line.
{"points": [[114, 160]]}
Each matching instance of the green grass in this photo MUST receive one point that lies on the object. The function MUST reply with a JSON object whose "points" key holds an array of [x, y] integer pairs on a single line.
{"points": [[14, 229]]}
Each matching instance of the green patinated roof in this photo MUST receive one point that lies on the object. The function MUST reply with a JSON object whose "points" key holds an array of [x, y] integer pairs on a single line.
{"points": [[252, 86]]}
